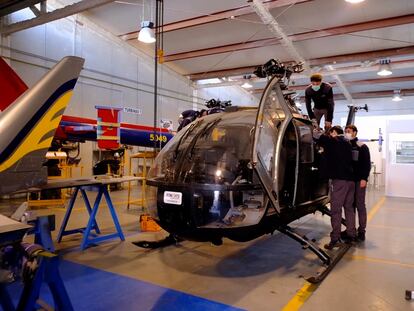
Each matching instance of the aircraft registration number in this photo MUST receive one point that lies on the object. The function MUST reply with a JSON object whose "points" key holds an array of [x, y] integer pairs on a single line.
{"points": [[156, 137], [171, 197]]}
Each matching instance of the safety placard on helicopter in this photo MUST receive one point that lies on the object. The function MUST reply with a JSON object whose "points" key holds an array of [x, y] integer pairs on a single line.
{"points": [[171, 197]]}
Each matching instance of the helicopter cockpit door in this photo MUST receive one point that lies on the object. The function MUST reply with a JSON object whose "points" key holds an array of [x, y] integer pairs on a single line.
{"points": [[272, 119]]}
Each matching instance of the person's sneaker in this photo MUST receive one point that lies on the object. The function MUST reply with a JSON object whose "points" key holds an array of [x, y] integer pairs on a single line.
{"points": [[346, 238], [333, 244], [361, 236]]}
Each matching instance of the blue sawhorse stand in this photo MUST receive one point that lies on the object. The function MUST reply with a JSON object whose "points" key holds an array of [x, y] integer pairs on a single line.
{"points": [[42, 227], [47, 272], [92, 224]]}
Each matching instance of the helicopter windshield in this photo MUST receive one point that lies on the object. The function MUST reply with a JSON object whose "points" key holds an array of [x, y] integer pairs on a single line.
{"points": [[207, 169], [212, 150]]}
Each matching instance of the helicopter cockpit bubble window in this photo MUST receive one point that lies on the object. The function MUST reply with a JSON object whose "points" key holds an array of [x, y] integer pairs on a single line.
{"points": [[215, 150], [270, 118], [208, 172], [163, 166]]}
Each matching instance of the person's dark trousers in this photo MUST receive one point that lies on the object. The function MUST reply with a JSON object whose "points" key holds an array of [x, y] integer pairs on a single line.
{"points": [[342, 195], [361, 207], [319, 113]]}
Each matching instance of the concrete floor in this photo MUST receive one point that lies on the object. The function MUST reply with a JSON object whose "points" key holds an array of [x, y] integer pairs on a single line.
{"points": [[264, 274]]}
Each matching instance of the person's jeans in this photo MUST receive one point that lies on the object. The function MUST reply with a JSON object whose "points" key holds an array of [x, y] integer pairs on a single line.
{"points": [[361, 207], [342, 195]]}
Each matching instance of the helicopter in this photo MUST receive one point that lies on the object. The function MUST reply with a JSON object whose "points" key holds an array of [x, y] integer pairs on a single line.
{"points": [[244, 173]]}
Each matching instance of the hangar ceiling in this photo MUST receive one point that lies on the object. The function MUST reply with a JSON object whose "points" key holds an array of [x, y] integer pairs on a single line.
{"points": [[225, 40]]}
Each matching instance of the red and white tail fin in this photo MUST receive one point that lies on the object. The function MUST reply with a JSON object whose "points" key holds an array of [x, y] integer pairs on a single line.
{"points": [[11, 86]]}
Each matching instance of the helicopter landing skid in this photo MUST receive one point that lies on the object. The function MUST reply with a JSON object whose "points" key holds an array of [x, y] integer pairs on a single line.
{"points": [[326, 269], [169, 240], [328, 260]]}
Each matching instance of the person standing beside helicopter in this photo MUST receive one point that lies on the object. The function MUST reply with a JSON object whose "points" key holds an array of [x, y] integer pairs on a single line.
{"points": [[322, 96], [339, 169], [362, 167]]}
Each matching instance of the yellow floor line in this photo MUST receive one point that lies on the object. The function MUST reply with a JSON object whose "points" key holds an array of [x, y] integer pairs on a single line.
{"points": [[301, 296], [402, 210], [375, 209], [308, 289], [392, 227], [383, 261]]}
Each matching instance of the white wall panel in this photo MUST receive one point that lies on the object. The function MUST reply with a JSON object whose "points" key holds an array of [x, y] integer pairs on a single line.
{"points": [[96, 51], [33, 38], [59, 39]]}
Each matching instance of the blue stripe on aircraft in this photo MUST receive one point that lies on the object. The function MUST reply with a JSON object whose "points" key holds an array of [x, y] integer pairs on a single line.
{"points": [[91, 289], [128, 136], [33, 121]]}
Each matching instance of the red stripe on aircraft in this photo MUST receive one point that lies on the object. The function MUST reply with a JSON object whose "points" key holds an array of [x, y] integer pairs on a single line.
{"points": [[123, 125]]}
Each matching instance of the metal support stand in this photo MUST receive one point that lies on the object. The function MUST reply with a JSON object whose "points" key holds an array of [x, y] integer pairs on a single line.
{"points": [[43, 225], [92, 224], [47, 273]]}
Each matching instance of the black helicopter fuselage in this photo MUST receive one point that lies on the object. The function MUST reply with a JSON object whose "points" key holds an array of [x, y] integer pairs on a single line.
{"points": [[238, 174]]}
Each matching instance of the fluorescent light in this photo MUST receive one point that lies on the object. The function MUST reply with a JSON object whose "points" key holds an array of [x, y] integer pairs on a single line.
{"points": [[354, 1], [146, 34], [384, 72], [397, 96], [209, 81], [246, 85], [385, 68]]}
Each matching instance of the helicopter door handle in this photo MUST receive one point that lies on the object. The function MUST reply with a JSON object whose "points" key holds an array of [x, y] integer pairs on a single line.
{"points": [[314, 168]]}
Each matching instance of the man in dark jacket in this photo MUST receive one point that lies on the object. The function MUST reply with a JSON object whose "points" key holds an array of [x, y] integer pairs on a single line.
{"points": [[186, 117], [362, 166], [338, 153], [322, 96]]}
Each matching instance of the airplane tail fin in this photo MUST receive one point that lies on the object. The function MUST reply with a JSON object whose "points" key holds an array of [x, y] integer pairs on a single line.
{"points": [[11, 86], [28, 125]]}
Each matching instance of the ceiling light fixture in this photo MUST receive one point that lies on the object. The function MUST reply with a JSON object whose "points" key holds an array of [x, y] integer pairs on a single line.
{"points": [[146, 34], [354, 1], [385, 68], [247, 84], [397, 96]]}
